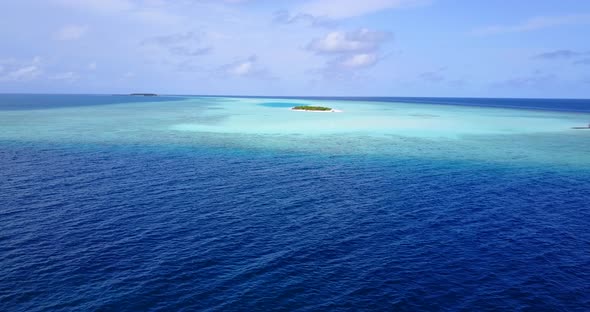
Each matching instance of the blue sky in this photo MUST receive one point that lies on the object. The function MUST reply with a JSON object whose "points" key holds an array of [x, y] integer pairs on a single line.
{"points": [[492, 48]]}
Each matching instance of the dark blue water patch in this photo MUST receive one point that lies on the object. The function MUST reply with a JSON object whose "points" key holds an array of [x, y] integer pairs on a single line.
{"points": [[277, 104], [45, 101], [566, 105], [106, 228]]}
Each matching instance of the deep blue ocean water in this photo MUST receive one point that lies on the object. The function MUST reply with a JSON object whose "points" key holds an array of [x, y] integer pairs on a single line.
{"points": [[132, 227]]}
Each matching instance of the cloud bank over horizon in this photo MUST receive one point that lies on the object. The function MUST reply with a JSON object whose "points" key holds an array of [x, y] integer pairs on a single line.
{"points": [[289, 47]]}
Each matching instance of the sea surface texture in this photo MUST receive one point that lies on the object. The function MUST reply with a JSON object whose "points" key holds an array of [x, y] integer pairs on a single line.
{"points": [[185, 203]]}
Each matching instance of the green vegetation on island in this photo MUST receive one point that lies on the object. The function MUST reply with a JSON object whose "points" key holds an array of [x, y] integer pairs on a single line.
{"points": [[312, 108]]}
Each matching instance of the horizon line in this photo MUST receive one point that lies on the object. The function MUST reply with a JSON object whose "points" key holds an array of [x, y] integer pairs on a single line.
{"points": [[303, 96]]}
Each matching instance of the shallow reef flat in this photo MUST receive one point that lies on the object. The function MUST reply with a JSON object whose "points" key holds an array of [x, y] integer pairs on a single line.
{"points": [[365, 127]]}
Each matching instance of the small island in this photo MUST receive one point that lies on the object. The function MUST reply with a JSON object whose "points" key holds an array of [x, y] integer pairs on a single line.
{"points": [[143, 94], [309, 108]]}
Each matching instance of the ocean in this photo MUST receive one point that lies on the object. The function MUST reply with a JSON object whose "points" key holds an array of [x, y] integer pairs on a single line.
{"points": [[184, 203]]}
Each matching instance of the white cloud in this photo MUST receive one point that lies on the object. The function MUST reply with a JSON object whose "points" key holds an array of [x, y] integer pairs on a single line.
{"points": [[326, 13], [25, 73], [341, 9], [285, 17], [349, 51], [13, 70], [361, 40], [71, 32], [92, 66], [535, 23], [246, 68], [65, 76], [241, 69], [360, 60]]}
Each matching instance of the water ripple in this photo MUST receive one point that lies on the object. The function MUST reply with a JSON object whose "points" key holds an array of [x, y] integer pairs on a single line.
{"points": [[160, 230]]}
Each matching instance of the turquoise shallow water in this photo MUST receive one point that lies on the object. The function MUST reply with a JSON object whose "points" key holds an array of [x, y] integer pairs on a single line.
{"points": [[376, 128], [233, 204]]}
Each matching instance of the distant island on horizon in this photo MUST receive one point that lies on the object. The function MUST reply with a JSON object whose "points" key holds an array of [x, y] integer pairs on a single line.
{"points": [[143, 94]]}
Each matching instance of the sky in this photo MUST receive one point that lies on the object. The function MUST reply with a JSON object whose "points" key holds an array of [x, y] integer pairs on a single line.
{"points": [[448, 48]]}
